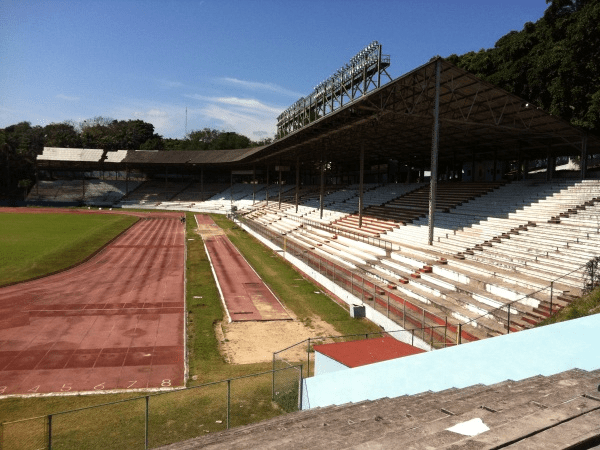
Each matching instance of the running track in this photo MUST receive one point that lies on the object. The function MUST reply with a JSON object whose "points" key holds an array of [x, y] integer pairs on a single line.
{"points": [[114, 322]]}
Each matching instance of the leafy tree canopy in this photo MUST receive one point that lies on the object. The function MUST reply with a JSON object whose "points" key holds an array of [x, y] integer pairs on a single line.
{"points": [[554, 63]]}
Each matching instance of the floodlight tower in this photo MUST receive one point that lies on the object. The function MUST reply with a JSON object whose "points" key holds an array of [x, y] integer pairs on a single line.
{"points": [[353, 80]]}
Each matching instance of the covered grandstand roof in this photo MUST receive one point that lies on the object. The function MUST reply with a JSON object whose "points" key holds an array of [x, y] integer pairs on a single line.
{"points": [[477, 120], [396, 121]]}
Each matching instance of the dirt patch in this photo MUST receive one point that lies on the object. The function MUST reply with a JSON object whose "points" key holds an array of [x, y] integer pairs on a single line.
{"points": [[255, 342]]}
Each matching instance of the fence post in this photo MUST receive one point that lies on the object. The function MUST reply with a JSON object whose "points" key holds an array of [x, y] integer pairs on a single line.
{"points": [[404, 314], [551, 294], [508, 332], [445, 332], [146, 424], [273, 380], [308, 359], [459, 335], [423, 325], [49, 431], [412, 339], [300, 390], [388, 305], [228, 401]]}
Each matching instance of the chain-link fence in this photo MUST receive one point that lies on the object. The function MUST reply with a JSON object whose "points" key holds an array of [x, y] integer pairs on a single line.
{"points": [[161, 418]]}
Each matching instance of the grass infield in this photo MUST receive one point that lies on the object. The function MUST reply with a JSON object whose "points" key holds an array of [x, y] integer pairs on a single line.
{"points": [[33, 245], [182, 415]]}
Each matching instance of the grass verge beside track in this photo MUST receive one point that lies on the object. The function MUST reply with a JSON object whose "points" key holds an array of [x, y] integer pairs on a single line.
{"points": [[297, 295], [181, 415], [34, 245]]}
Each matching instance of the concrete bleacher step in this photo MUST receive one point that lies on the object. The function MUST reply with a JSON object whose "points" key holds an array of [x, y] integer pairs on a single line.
{"points": [[543, 411]]}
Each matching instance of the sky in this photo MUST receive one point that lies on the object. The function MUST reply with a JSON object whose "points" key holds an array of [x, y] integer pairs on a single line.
{"points": [[235, 65]]}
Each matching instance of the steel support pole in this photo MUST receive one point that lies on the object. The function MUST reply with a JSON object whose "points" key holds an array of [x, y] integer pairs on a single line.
{"points": [[520, 163], [360, 183], [434, 152], [584, 156], [231, 187], [280, 184], [253, 184], [322, 192], [126, 179], [549, 163], [297, 181], [495, 164], [267, 187], [202, 184]]}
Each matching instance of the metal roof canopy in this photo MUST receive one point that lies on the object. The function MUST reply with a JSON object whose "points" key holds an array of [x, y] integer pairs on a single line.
{"points": [[477, 120]]}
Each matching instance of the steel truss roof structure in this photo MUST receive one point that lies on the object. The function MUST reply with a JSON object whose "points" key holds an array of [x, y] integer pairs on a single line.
{"points": [[477, 121]]}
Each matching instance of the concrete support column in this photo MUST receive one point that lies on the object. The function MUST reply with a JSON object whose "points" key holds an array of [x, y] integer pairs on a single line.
{"points": [[473, 167], [361, 178], [584, 156], [434, 152], [408, 171]]}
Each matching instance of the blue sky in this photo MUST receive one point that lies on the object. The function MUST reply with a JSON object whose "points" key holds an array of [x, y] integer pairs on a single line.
{"points": [[235, 65]]}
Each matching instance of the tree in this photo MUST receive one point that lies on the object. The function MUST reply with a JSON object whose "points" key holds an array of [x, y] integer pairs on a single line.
{"points": [[61, 134], [554, 63]]}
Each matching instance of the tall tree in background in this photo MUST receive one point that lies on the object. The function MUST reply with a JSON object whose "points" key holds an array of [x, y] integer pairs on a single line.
{"points": [[554, 63]]}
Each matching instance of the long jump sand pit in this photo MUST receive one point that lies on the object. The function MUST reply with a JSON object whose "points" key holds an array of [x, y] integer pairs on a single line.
{"points": [[113, 322]]}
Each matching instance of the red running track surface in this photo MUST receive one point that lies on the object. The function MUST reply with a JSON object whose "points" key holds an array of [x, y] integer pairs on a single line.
{"points": [[113, 322], [245, 295]]}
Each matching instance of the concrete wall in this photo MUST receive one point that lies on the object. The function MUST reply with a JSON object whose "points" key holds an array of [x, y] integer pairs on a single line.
{"points": [[325, 364], [540, 351]]}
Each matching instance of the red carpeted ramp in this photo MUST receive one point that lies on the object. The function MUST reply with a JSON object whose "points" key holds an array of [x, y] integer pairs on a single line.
{"points": [[245, 295], [114, 322]]}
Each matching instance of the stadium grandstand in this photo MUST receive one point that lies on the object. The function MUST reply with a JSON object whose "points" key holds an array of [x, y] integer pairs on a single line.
{"points": [[443, 202]]}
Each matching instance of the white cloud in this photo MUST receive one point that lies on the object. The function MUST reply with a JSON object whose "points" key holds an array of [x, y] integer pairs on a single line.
{"points": [[255, 85], [168, 84], [240, 121], [67, 97], [247, 116]]}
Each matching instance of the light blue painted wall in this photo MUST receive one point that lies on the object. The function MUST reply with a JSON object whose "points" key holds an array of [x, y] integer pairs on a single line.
{"points": [[540, 351], [325, 364]]}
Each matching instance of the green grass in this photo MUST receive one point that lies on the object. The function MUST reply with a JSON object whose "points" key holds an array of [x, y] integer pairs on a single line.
{"points": [[200, 410], [296, 294], [33, 245], [585, 306]]}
